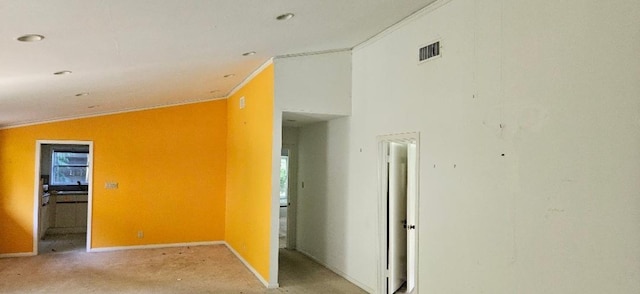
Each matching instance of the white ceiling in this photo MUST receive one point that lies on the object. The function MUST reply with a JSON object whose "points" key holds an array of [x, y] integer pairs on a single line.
{"points": [[135, 54]]}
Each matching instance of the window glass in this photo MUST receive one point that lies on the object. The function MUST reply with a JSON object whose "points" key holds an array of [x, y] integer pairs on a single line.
{"points": [[284, 180], [69, 168]]}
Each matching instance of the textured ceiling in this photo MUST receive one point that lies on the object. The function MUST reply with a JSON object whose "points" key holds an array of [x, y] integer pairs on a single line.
{"points": [[134, 54]]}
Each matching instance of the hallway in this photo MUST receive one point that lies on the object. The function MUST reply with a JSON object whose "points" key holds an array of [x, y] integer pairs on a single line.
{"points": [[299, 274]]}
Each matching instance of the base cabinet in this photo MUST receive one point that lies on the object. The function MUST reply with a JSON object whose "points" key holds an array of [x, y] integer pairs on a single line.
{"points": [[69, 214]]}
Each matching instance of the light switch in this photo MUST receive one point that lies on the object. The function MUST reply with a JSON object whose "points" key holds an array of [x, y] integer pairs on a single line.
{"points": [[111, 185], [242, 102]]}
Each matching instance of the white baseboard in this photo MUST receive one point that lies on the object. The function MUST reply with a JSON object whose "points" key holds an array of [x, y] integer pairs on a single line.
{"points": [[255, 273], [338, 272], [156, 246], [21, 254]]}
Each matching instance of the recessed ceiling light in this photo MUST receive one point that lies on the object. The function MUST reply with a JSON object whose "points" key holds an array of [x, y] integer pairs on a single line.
{"points": [[63, 72], [249, 53], [285, 16], [229, 75], [31, 38], [82, 94]]}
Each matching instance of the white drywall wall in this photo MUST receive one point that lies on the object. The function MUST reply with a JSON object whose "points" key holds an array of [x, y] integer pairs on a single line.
{"points": [[318, 83], [552, 85], [289, 136], [333, 223], [45, 161], [315, 86]]}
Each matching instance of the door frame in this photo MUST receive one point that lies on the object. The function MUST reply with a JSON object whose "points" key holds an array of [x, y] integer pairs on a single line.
{"points": [[36, 188], [383, 145]]}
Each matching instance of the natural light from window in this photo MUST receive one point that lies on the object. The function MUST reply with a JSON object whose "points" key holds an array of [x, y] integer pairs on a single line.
{"points": [[284, 180], [69, 168]]}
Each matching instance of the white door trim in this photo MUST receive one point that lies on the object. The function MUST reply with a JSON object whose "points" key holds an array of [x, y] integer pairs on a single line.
{"points": [[383, 145], [36, 189]]}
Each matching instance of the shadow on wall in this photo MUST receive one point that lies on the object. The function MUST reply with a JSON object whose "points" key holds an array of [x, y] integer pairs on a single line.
{"points": [[323, 185], [15, 235], [12, 232]]}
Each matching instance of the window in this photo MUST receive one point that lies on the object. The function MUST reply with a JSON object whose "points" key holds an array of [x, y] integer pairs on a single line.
{"points": [[69, 168], [284, 180]]}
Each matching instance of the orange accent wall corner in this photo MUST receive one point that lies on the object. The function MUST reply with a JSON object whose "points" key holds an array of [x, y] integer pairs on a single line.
{"points": [[249, 170]]}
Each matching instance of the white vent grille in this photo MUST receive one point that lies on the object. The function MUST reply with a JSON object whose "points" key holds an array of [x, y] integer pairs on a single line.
{"points": [[429, 52]]}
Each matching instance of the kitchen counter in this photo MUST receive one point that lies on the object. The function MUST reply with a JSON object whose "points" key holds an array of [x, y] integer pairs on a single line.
{"points": [[72, 192]]}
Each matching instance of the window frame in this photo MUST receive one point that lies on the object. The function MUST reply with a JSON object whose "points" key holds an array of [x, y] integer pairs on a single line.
{"points": [[83, 183]]}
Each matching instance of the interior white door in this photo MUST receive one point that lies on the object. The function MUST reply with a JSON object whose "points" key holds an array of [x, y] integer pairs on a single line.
{"points": [[412, 195], [397, 216]]}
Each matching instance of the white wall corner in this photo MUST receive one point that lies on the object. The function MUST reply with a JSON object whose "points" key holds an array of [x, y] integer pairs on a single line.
{"points": [[339, 272]]}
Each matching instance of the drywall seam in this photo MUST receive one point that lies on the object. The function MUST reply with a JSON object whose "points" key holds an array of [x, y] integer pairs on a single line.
{"points": [[338, 272], [156, 246], [251, 269], [249, 78], [427, 9]]}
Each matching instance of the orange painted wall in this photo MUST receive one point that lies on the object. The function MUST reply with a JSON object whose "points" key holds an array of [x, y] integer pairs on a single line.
{"points": [[249, 162], [170, 164]]}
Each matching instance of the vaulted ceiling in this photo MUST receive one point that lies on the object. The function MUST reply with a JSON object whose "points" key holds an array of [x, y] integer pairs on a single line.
{"points": [[135, 54]]}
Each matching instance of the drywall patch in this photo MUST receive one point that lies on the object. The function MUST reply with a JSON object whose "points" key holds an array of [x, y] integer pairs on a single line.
{"points": [[533, 119], [514, 121], [551, 212]]}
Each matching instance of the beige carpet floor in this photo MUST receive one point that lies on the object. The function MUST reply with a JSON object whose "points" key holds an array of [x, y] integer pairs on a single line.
{"points": [[199, 269]]}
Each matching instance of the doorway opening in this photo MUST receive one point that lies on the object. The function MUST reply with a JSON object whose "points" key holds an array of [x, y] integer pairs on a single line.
{"points": [[284, 197], [288, 185], [63, 194], [398, 170]]}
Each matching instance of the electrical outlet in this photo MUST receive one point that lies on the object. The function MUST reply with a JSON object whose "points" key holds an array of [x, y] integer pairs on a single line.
{"points": [[140, 234], [111, 185]]}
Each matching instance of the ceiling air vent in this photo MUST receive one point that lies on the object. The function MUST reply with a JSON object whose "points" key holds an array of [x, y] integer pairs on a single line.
{"points": [[429, 52]]}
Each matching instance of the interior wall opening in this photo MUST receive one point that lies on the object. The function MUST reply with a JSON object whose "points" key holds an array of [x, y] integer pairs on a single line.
{"points": [[63, 181], [284, 197]]}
